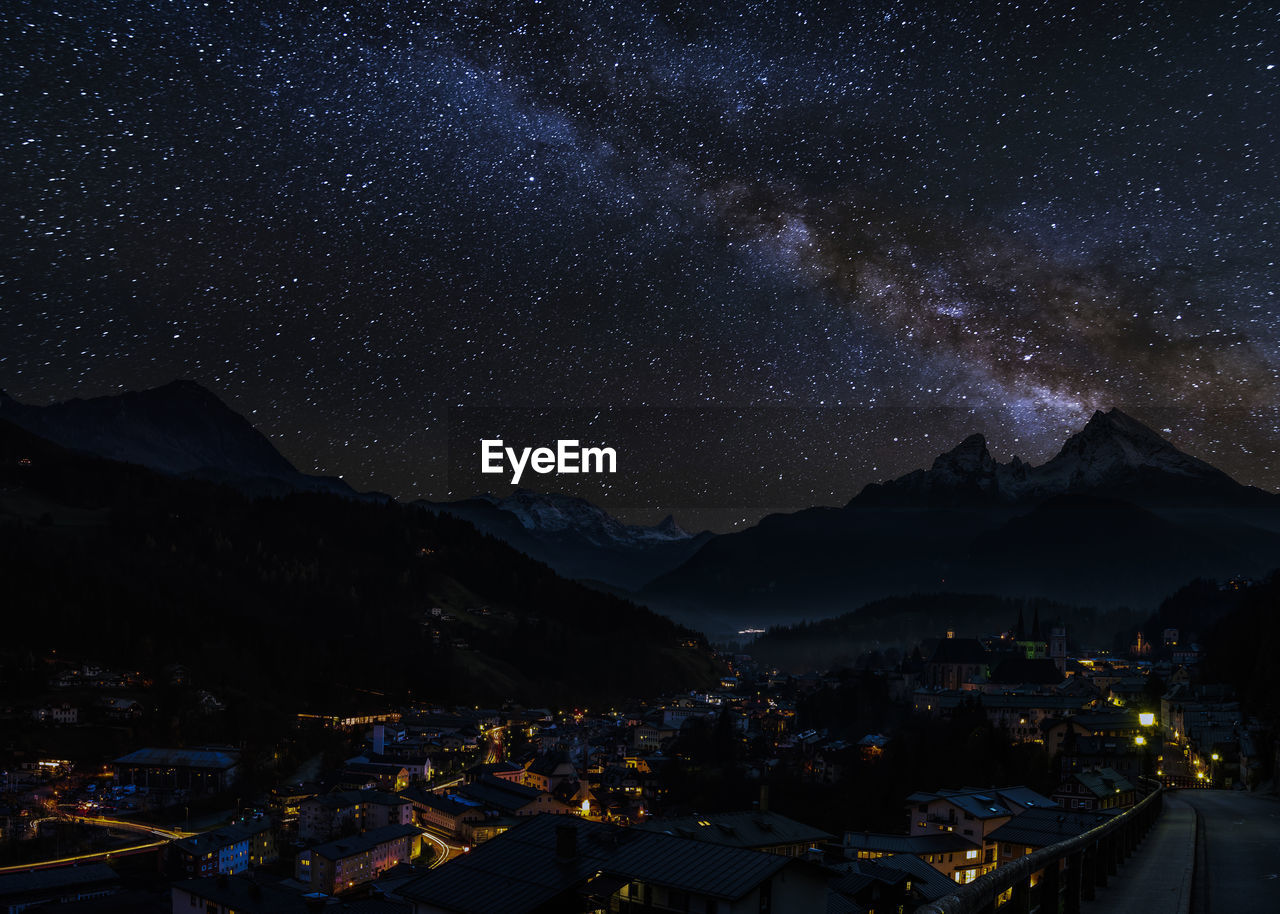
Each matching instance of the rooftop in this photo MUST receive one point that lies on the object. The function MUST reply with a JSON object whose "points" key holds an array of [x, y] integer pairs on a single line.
{"points": [[1042, 827], [519, 871], [366, 841], [739, 829], [59, 877], [181, 758], [937, 843]]}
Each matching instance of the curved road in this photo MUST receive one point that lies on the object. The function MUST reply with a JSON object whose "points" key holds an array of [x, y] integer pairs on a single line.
{"points": [[155, 837], [1238, 855]]}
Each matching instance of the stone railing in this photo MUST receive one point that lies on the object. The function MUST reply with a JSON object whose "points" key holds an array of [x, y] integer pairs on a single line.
{"points": [[1057, 878]]}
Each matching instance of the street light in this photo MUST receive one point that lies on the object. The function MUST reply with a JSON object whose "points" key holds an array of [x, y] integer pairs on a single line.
{"points": [[1147, 718]]}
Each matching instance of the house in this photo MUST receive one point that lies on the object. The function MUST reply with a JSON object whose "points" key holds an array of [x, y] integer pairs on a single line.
{"points": [[567, 863], [328, 816], [549, 771], [953, 856], [64, 713], [389, 776], [1117, 725], [1122, 755], [219, 852], [972, 813], [347, 863], [1095, 789], [898, 883], [224, 851], [60, 885], [1037, 828], [199, 771], [764, 831]]}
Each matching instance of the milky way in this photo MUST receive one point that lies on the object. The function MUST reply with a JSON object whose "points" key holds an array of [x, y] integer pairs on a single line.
{"points": [[853, 234]]}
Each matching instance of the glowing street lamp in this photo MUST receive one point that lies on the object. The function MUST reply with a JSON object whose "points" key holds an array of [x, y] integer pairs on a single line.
{"points": [[1147, 718]]}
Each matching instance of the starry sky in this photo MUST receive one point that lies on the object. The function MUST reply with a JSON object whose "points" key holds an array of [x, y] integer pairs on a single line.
{"points": [[771, 251]]}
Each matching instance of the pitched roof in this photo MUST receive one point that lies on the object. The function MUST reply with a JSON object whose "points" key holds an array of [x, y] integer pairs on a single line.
{"points": [[1102, 782], [518, 871], [987, 803], [210, 841], [365, 841], [936, 843], [343, 799], [694, 866], [1042, 827], [739, 829], [925, 879]]}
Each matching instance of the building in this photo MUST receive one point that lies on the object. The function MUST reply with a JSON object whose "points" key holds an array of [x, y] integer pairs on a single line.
{"points": [[1124, 726], [764, 831], [198, 771], [226, 851], [473, 813], [1095, 789], [898, 883], [19, 891], [971, 814], [347, 863], [1037, 828], [547, 772], [551, 863], [331, 815], [389, 776], [956, 661], [1021, 715], [1122, 755]]}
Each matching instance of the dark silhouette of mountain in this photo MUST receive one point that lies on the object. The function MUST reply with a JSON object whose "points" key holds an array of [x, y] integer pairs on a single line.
{"points": [[307, 600], [1114, 454], [1118, 517], [578, 539], [181, 429]]}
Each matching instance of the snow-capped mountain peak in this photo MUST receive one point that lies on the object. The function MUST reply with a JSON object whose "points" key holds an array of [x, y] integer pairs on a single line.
{"points": [[554, 513]]}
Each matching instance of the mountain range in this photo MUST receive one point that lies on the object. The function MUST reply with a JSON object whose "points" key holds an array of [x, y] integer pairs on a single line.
{"points": [[183, 429], [577, 538], [1118, 517]]}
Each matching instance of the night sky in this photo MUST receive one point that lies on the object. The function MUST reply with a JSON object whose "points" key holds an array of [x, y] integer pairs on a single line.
{"points": [[800, 249]]}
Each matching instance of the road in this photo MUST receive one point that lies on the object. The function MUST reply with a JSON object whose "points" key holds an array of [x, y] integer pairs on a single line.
{"points": [[129, 825], [445, 850], [1238, 859]]}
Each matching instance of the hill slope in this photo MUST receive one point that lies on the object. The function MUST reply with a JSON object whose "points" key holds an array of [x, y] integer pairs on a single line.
{"points": [[304, 599]]}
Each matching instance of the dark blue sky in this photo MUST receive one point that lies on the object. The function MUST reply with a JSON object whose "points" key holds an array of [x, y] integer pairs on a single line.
{"points": [[870, 228]]}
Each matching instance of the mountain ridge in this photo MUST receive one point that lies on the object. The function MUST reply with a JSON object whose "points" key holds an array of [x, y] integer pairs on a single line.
{"points": [[1119, 516], [180, 428], [1111, 453]]}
